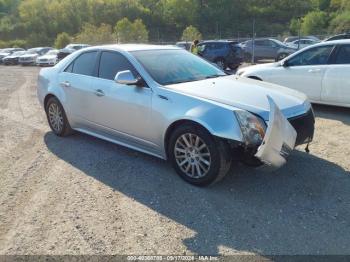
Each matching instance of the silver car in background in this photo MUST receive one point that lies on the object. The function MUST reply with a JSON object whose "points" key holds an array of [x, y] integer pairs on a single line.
{"points": [[169, 103]]}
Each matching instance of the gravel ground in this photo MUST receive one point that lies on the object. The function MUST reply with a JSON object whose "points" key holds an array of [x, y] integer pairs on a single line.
{"points": [[81, 195]]}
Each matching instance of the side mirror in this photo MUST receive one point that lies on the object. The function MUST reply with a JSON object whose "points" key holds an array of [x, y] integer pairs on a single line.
{"points": [[127, 78]]}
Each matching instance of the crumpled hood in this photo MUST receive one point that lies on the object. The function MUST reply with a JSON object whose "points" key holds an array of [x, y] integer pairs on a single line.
{"points": [[246, 94]]}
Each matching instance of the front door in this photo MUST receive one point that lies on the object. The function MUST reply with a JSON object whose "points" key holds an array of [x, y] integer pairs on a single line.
{"points": [[117, 107], [305, 72]]}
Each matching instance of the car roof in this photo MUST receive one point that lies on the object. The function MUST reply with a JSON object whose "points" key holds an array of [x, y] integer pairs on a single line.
{"points": [[134, 47], [218, 41], [341, 41]]}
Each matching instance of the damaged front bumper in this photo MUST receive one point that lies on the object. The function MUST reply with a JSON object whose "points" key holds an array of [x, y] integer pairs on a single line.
{"points": [[280, 139]]}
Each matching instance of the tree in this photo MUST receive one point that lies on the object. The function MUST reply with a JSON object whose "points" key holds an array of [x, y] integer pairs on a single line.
{"points": [[62, 40], [94, 35], [127, 31], [341, 23], [191, 33], [315, 22]]}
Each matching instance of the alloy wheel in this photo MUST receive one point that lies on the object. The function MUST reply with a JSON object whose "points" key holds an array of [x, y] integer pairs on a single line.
{"points": [[192, 155]]}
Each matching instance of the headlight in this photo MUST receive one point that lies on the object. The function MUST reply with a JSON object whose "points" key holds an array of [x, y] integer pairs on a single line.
{"points": [[253, 128]]}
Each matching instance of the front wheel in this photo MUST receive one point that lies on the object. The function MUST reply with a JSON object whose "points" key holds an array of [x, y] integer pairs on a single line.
{"points": [[221, 63], [281, 56], [197, 156]]}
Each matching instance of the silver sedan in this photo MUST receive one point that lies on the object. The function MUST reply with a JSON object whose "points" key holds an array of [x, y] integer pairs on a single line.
{"points": [[166, 102]]}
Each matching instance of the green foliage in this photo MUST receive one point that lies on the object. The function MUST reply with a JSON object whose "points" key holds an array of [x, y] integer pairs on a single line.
{"points": [[191, 33], [127, 31], [40, 21], [62, 40], [13, 43], [94, 35], [341, 23], [315, 22]]}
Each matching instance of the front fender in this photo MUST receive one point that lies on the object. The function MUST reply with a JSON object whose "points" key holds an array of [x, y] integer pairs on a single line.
{"points": [[220, 122]]}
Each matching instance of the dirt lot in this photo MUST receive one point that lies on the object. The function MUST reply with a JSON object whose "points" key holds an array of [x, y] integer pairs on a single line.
{"points": [[81, 195]]}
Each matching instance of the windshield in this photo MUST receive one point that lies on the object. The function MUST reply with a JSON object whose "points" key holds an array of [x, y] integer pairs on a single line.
{"points": [[32, 51], [175, 66]]}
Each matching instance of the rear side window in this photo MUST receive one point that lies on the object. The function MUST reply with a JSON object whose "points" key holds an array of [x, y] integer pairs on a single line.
{"points": [[343, 56], [85, 64], [111, 63]]}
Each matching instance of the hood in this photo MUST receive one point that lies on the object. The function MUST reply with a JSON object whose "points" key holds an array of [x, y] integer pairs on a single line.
{"points": [[30, 55], [67, 50], [246, 94], [47, 57], [4, 54]]}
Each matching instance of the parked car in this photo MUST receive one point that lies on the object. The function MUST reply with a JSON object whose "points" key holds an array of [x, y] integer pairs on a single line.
{"points": [[320, 71], [13, 58], [290, 39], [338, 37], [184, 45], [300, 44], [29, 58], [223, 53], [174, 105], [49, 59], [69, 49], [266, 49], [8, 51]]}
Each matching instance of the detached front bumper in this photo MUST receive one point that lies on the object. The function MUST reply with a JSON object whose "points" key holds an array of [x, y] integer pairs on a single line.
{"points": [[280, 138]]}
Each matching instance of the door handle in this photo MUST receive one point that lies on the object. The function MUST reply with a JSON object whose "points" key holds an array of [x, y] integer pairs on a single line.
{"points": [[314, 70], [65, 84], [99, 93]]}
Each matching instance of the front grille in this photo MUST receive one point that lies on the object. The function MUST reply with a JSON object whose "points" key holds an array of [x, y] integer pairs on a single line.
{"points": [[305, 127]]}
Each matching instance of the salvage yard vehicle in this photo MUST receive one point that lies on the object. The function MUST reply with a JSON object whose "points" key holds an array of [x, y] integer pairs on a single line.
{"points": [[320, 71], [29, 58], [70, 49], [13, 58], [223, 53], [48, 59], [169, 103], [338, 37], [8, 51], [302, 43], [266, 48]]}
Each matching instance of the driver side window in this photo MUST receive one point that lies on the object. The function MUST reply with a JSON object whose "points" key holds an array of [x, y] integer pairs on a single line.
{"points": [[111, 63], [315, 56]]}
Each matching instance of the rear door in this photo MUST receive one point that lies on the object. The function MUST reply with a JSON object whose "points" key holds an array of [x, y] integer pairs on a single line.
{"points": [[76, 81], [336, 84]]}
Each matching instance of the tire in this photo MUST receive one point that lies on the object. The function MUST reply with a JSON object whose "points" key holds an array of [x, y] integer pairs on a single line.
{"points": [[57, 118], [281, 56], [233, 66], [213, 163], [221, 63]]}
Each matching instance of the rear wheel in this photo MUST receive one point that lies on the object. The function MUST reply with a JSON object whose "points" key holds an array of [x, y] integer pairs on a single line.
{"points": [[221, 63], [57, 118], [197, 156]]}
